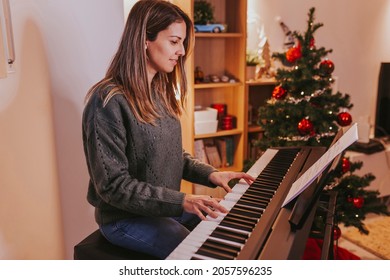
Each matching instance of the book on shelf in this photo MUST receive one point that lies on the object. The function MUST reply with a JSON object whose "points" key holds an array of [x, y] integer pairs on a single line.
{"points": [[200, 152], [221, 144], [226, 150], [212, 153]]}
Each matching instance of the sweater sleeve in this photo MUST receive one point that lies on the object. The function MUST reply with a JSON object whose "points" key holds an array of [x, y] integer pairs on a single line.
{"points": [[105, 148], [196, 171]]}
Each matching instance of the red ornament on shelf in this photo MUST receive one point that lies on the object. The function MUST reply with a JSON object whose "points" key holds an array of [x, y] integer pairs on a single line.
{"points": [[279, 92], [336, 232], [293, 54], [326, 67], [305, 127], [344, 119], [345, 165], [358, 202]]}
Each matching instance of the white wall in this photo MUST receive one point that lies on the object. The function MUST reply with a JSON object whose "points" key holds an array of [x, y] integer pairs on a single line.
{"points": [[62, 48], [357, 31]]}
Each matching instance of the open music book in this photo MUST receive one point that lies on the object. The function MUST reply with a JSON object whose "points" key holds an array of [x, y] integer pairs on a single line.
{"points": [[347, 139]]}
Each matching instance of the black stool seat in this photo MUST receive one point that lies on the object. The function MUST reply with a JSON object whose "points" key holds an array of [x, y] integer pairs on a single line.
{"points": [[96, 247]]}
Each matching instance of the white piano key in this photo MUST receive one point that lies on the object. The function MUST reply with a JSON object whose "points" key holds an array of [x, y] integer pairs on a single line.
{"points": [[240, 188], [233, 196], [194, 240], [227, 204]]}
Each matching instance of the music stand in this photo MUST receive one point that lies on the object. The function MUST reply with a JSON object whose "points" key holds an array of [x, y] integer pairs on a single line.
{"points": [[309, 197]]}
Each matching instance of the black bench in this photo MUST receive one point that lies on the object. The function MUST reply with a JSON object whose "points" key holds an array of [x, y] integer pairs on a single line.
{"points": [[96, 247]]}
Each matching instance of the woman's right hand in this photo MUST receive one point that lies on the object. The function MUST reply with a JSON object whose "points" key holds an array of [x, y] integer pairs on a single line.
{"points": [[201, 205]]}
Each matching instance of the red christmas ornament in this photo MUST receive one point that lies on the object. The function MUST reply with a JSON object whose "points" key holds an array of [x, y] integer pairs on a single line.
{"points": [[358, 202], [326, 67], [279, 92], [345, 165], [336, 232], [344, 119], [305, 127], [293, 54]]}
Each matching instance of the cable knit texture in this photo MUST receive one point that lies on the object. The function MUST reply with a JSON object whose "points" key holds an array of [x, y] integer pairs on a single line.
{"points": [[135, 169]]}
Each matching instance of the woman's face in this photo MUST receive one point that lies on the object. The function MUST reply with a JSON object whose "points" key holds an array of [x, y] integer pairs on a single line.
{"points": [[164, 52]]}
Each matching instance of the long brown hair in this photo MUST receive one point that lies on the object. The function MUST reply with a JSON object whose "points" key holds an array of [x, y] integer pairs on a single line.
{"points": [[127, 72]]}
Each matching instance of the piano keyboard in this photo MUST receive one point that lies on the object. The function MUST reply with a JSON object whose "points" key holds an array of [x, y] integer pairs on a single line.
{"points": [[224, 237]]}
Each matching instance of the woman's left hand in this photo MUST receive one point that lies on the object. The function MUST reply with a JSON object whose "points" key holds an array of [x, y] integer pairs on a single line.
{"points": [[222, 178]]}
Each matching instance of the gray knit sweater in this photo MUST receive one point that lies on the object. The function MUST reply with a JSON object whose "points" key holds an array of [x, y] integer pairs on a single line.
{"points": [[135, 169]]}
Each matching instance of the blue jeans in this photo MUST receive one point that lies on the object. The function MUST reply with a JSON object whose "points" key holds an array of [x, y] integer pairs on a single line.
{"points": [[157, 236]]}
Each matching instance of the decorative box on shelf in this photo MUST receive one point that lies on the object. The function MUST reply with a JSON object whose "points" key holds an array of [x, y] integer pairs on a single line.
{"points": [[205, 120]]}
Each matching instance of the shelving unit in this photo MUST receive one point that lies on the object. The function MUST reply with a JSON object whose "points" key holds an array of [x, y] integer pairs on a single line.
{"points": [[218, 54], [257, 93], [222, 54]]}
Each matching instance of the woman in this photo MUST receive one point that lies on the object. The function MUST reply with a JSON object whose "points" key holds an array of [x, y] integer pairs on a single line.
{"points": [[132, 137]]}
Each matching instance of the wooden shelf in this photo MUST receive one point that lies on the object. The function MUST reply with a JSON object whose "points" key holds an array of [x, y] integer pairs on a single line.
{"points": [[254, 128], [261, 82], [218, 35], [219, 133], [216, 85]]}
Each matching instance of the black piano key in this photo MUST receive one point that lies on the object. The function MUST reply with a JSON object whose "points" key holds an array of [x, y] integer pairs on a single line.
{"points": [[236, 225], [262, 188], [239, 220], [255, 199], [260, 193], [228, 248], [271, 188], [272, 175], [242, 217], [253, 195], [212, 253], [269, 183], [218, 250], [257, 209], [275, 168], [279, 163], [246, 211], [266, 181], [251, 198], [231, 236], [252, 203]]}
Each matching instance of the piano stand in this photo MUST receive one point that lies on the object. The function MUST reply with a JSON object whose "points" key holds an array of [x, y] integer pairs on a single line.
{"points": [[96, 247], [328, 202]]}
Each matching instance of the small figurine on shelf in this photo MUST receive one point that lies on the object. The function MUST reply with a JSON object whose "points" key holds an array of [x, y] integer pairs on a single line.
{"points": [[215, 78], [199, 76], [225, 78]]}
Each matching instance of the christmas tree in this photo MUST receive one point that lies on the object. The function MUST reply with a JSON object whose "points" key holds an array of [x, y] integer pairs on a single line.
{"points": [[305, 111]]}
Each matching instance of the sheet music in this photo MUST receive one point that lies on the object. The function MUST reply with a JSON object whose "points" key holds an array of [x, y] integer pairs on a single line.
{"points": [[349, 137]]}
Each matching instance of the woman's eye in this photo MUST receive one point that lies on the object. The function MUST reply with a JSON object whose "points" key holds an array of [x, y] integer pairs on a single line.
{"points": [[174, 42]]}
